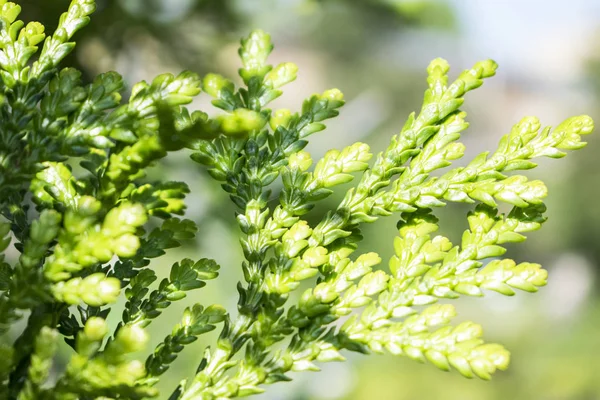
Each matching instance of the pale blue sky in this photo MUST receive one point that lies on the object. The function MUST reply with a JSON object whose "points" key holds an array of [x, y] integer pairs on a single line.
{"points": [[526, 33]]}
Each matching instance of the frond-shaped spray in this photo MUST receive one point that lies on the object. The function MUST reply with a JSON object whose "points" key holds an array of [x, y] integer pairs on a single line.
{"points": [[87, 240]]}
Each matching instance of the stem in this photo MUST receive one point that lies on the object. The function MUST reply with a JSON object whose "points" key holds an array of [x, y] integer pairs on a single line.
{"points": [[212, 375], [41, 316]]}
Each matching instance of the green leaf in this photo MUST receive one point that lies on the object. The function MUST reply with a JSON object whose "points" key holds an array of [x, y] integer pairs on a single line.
{"points": [[5, 276]]}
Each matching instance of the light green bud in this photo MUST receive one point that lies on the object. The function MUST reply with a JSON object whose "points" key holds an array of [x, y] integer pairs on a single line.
{"points": [[516, 190], [374, 283], [333, 94], [528, 126], [124, 219], [325, 292], [340, 254], [499, 356], [241, 121], [88, 206], [254, 52], [138, 88], [568, 133], [302, 274], [45, 229], [96, 248], [98, 290], [256, 48], [329, 353], [438, 67], [95, 329], [438, 359], [467, 331], [329, 165], [86, 7], [33, 33], [481, 220], [131, 371], [582, 124], [454, 151], [131, 338], [301, 270], [467, 289], [338, 179], [363, 265], [280, 75], [293, 248], [300, 230], [486, 68], [108, 289], [126, 245], [280, 117], [95, 290], [438, 314], [214, 85], [354, 158], [528, 276], [76, 224], [300, 160], [10, 11], [315, 256]]}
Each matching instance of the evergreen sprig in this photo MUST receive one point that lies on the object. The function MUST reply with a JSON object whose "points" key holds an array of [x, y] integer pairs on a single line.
{"points": [[87, 242]]}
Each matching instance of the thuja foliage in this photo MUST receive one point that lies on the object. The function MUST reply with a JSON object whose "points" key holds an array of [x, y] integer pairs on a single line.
{"points": [[77, 204]]}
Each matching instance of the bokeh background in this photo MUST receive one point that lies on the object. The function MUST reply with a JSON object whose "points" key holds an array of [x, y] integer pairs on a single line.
{"points": [[376, 52]]}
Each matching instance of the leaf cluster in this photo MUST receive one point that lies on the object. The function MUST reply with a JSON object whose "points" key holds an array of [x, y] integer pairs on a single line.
{"points": [[87, 241]]}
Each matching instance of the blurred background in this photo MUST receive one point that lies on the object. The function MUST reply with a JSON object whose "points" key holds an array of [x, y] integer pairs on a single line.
{"points": [[376, 52]]}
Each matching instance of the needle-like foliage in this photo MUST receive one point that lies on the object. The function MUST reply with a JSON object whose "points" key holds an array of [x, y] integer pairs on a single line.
{"points": [[87, 241]]}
